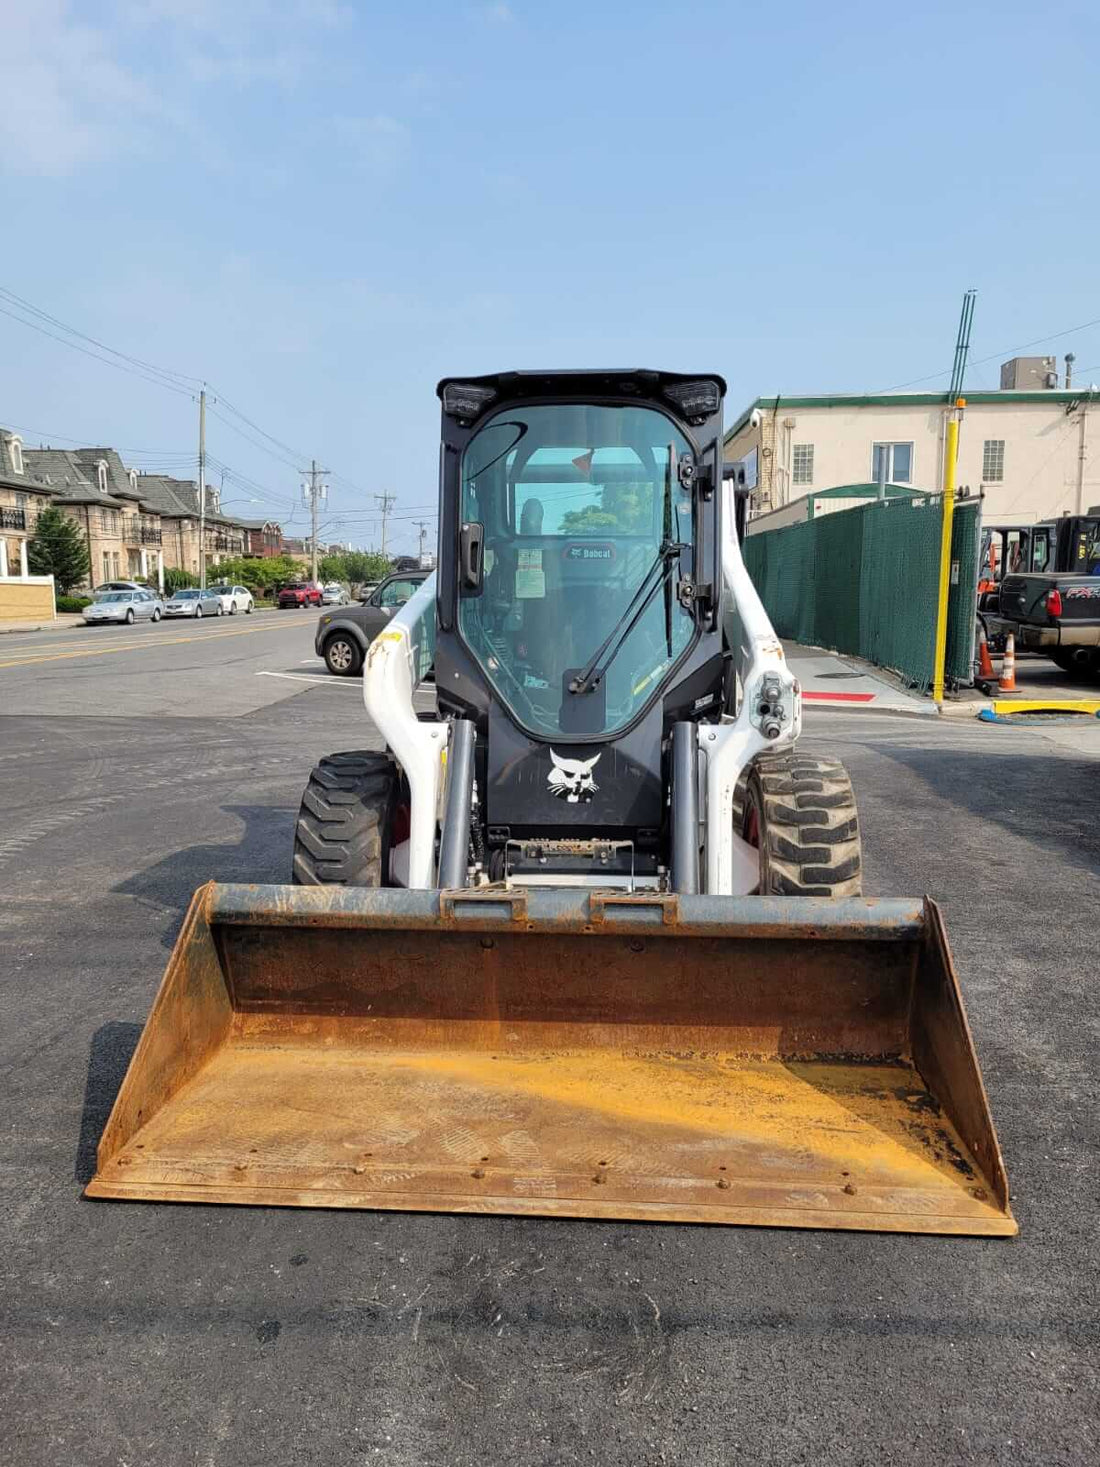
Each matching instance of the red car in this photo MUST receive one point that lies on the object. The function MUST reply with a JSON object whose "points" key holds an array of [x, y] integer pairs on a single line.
{"points": [[302, 593]]}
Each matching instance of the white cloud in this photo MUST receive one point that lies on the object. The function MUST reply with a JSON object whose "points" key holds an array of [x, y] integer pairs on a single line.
{"points": [[65, 100], [72, 96], [501, 13]]}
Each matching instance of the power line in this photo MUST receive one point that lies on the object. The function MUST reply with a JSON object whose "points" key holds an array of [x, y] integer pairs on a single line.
{"points": [[993, 356], [27, 314], [107, 362]]}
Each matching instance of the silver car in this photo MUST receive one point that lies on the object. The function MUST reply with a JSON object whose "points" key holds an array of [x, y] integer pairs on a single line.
{"points": [[333, 595], [123, 606], [194, 603]]}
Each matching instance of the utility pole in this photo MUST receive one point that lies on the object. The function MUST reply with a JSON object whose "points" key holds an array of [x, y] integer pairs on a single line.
{"points": [[387, 502], [314, 492], [202, 488], [422, 526]]}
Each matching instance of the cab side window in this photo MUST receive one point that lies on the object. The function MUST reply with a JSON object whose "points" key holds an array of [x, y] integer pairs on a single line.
{"points": [[396, 593]]}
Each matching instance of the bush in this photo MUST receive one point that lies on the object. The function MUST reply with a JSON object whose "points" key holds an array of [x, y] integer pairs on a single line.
{"points": [[176, 579], [72, 603]]}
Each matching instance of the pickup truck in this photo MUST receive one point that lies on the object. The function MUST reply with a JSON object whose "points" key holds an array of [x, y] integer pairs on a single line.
{"points": [[1057, 610]]}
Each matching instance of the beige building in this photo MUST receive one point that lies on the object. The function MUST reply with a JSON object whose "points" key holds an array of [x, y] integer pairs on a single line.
{"points": [[177, 503], [96, 490], [1032, 454]]}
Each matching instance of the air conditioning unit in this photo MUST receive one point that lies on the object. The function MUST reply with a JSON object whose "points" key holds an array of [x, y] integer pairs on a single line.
{"points": [[789, 423], [1023, 374]]}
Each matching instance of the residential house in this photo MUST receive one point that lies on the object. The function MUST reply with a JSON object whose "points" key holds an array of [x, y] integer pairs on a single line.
{"points": [[22, 595], [263, 538], [1026, 451], [21, 500], [86, 489], [177, 503]]}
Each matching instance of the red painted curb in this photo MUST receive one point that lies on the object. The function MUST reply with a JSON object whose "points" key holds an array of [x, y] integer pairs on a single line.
{"points": [[838, 697]]}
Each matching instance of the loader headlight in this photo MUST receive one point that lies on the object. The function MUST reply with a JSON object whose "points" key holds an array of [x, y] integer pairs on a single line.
{"points": [[466, 400], [696, 400]]}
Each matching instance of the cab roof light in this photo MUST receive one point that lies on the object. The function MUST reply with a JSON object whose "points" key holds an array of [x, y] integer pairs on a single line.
{"points": [[696, 400], [466, 401]]}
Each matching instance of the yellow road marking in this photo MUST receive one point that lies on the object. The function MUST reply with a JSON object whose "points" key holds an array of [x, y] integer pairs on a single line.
{"points": [[136, 646]]}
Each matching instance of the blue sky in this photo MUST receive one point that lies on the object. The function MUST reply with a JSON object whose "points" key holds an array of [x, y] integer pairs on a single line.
{"points": [[322, 207]]}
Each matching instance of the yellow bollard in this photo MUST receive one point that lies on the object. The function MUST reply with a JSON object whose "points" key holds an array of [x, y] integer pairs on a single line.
{"points": [[951, 453]]}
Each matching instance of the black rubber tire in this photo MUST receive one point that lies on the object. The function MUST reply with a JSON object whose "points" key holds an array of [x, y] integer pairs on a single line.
{"points": [[198, 613], [354, 653], [1078, 662], [342, 837], [130, 618], [805, 816]]}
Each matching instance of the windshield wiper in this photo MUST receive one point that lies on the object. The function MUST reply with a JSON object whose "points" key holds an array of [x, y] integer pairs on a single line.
{"points": [[592, 674]]}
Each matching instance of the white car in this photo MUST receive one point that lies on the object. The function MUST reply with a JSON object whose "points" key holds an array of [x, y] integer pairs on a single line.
{"points": [[333, 594], [233, 598]]}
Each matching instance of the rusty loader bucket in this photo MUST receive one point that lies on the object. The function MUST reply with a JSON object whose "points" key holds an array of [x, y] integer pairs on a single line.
{"points": [[567, 1054]]}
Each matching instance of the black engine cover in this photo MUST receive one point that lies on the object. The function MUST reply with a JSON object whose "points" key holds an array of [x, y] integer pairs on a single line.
{"points": [[580, 791]]}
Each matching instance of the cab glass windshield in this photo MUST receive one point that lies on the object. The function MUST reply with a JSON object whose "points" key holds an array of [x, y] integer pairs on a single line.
{"points": [[587, 536]]}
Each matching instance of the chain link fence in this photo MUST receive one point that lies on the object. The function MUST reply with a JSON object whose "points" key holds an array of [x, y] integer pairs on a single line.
{"points": [[866, 581]]}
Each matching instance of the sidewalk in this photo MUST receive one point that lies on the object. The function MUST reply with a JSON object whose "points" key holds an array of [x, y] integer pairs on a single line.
{"points": [[64, 622], [850, 685]]}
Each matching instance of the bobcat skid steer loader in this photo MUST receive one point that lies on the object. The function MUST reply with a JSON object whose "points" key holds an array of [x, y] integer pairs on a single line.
{"points": [[585, 939]]}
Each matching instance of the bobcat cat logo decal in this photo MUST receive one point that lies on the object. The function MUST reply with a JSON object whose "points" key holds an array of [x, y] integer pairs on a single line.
{"points": [[571, 779]]}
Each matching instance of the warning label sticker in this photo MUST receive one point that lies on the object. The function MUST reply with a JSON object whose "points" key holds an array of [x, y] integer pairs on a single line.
{"points": [[530, 576]]}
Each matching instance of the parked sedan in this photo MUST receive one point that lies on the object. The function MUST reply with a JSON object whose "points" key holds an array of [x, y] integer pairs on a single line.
{"points": [[333, 595], [109, 586], [234, 598], [124, 606], [194, 603], [343, 636]]}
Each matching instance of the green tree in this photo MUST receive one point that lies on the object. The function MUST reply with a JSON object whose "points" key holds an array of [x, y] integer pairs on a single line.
{"points": [[356, 567], [59, 549], [624, 509], [258, 573]]}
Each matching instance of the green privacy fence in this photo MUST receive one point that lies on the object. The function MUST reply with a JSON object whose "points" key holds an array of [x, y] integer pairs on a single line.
{"points": [[865, 581]]}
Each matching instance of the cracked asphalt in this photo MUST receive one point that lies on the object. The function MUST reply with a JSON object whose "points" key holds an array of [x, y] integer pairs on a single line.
{"points": [[157, 1334]]}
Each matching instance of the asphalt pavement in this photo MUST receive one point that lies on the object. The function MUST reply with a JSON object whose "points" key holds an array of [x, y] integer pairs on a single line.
{"points": [[134, 767]]}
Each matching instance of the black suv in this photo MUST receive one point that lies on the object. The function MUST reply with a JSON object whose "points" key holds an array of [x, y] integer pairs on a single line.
{"points": [[345, 632]]}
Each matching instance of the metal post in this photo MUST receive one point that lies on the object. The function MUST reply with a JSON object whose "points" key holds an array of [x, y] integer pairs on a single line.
{"points": [[313, 521], [454, 844], [951, 453], [684, 813], [202, 488]]}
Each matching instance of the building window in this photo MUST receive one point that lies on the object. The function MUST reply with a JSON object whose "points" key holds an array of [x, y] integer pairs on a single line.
{"points": [[898, 459], [116, 563], [101, 475], [15, 444], [802, 463], [106, 566], [993, 461]]}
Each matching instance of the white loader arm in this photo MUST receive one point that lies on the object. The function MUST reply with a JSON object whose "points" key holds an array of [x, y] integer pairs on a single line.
{"points": [[769, 715], [397, 661]]}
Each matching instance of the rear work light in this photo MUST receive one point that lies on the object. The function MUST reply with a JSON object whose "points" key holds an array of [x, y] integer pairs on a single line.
{"points": [[1054, 602]]}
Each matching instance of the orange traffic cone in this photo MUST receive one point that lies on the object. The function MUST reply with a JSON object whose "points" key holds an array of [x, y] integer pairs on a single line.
{"points": [[985, 662], [1007, 682]]}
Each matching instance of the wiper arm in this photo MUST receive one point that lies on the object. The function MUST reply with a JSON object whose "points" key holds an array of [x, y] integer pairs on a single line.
{"points": [[658, 574]]}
